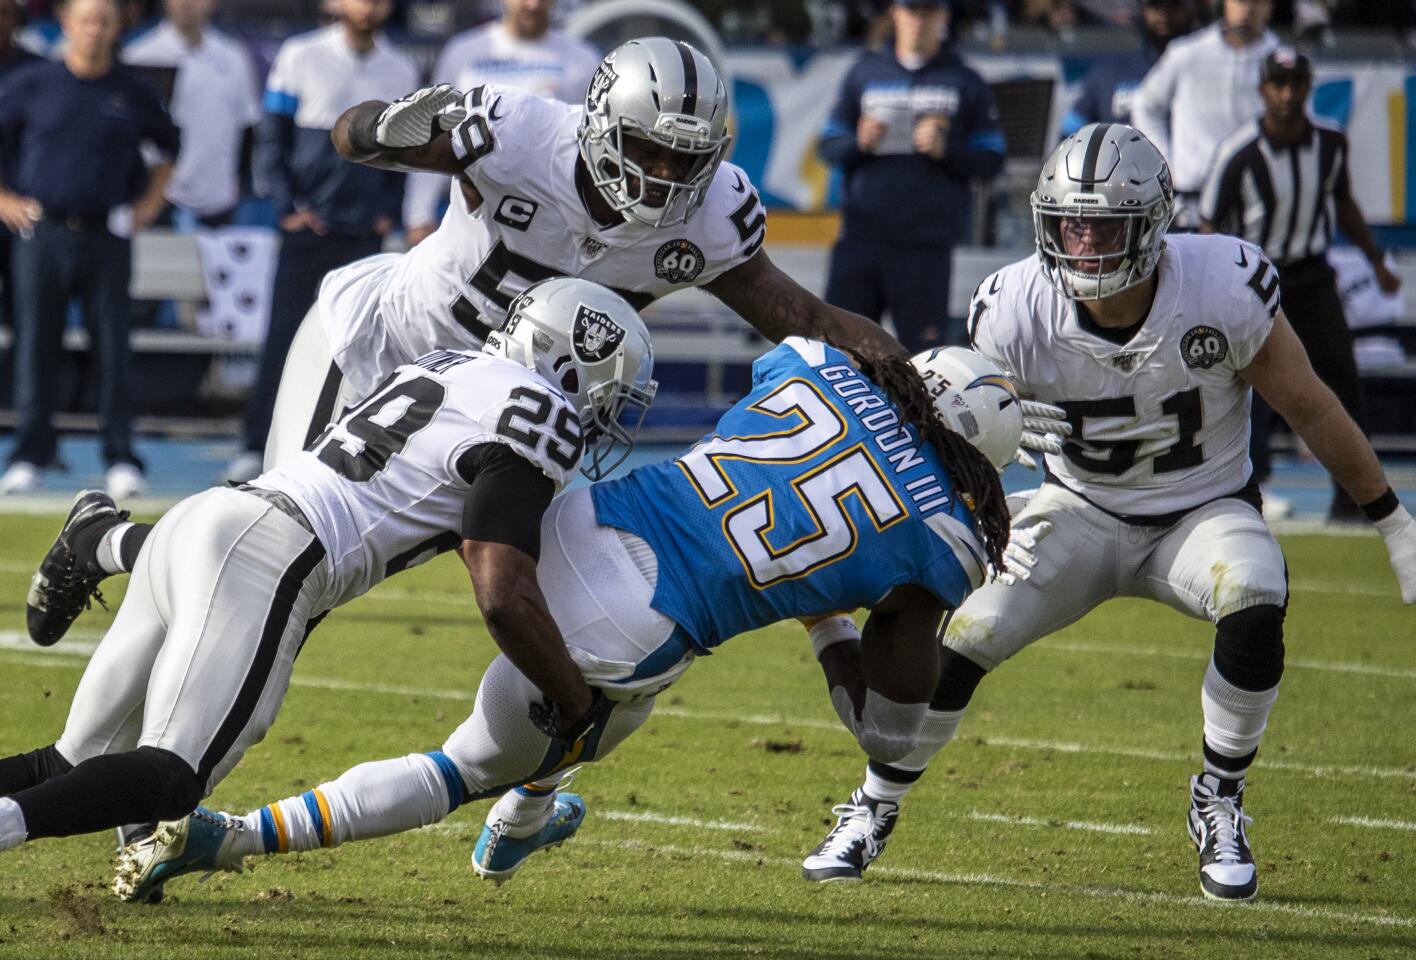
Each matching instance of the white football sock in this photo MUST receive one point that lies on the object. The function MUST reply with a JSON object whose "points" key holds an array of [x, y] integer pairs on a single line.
{"points": [[12, 824], [110, 549], [938, 729], [525, 809], [1234, 718], [370, 800]]}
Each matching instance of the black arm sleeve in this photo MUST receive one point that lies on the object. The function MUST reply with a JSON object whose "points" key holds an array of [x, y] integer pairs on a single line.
{"points": [[509, 496]]}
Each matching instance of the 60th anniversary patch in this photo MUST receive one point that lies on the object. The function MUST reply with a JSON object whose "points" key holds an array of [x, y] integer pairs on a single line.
{"points": [[1203, 347], [678, 261]]}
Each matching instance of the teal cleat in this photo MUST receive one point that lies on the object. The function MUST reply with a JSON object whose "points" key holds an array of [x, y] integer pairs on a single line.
{"points": [[498, 855], [199, 843]]}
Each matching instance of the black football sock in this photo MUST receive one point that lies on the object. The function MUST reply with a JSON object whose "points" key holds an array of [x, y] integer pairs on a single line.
{"points": [[25, 770]]}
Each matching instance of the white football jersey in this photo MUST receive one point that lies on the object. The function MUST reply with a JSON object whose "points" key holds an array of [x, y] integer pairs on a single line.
{"points": [[455, 287], [1160, 423], [380, 486]]}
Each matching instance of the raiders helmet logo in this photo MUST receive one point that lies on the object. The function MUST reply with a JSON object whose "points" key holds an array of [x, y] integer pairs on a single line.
{"points": [[1203, 347], [594, 336], [600, 84]]}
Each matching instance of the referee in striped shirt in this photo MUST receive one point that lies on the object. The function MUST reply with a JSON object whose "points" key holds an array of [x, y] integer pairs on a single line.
{"points": [[1281, 183]]}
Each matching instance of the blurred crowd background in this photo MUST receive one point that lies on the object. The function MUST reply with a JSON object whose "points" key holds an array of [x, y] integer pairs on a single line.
{"points": [[224, 257]]}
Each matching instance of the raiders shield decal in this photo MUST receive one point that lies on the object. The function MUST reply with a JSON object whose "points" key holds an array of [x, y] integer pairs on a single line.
{"points": [[594, 336]]}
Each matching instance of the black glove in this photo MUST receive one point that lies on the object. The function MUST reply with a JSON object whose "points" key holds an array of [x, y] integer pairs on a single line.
{"points": [[546, 717]]}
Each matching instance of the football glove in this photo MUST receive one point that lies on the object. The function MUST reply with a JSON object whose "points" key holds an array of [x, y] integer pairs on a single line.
{"points": [[1021, 554], [1398, 529], [1044, 428], [546, 718], [415, 120]]}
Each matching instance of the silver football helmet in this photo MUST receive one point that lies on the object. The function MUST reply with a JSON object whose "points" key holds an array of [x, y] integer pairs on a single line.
{"points": [[1105, 194], [588, 342], [975, 399], [666, 93]]}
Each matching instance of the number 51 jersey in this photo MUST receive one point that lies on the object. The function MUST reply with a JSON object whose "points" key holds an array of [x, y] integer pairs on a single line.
{"points": [[810, 497], [381, 485], [1160, 423]]}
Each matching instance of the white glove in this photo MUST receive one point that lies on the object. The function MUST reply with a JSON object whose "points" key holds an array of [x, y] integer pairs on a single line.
{"points": [[1021, 555], [414, 120], [1044, 427], [1399, 532]]}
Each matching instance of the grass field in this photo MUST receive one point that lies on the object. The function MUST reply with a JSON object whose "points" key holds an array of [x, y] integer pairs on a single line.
{"points": [[1053, 828]]}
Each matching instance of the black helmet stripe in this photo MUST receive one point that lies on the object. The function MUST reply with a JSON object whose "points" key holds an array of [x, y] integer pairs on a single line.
{"points": [[690, 78], [1094, 145]]}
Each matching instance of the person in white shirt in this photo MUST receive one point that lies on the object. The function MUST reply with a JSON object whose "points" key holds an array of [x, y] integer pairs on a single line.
{"points": [[519, 50], [214, 102], [1202, 89]]}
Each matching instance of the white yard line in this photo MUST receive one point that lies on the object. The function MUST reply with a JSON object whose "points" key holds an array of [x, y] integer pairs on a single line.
{"points": [[1374, 823], [1201, 654], [1121, 828], [1139, 897], [631, 816], [67, 652]]}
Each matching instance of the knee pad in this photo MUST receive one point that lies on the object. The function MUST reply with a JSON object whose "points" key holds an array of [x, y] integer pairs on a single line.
{"points": [[958, 679], [179, 787], [1248, 647]]}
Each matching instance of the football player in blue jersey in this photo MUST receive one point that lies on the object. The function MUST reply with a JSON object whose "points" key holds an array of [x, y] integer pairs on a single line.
{"points": [[829, 487]]}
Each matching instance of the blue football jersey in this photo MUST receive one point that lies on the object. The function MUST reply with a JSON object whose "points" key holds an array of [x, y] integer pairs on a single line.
{"points": [[810, 497]]}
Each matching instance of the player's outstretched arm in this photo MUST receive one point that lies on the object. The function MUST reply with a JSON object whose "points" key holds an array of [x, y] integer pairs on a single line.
{"points": [[881, 685], [408, 135], [517, 617], [779, 307], [1282, 375]]}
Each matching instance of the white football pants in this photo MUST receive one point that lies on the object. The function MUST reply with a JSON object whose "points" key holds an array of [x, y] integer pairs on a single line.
{"points": [[198, 659], [1219, 559]]}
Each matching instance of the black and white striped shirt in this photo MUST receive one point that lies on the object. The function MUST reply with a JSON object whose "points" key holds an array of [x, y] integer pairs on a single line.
{"points": [[1276, 196]]}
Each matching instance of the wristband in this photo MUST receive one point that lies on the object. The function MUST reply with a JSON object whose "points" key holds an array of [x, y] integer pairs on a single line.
{"points": [[831, 631], [1382, 507]]}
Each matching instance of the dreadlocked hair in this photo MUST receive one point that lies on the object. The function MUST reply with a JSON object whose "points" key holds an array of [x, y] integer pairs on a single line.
{"points": [[974, 476]]}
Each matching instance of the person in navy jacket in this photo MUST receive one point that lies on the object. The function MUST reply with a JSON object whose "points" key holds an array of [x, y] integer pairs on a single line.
{"points": [[911, 127]]}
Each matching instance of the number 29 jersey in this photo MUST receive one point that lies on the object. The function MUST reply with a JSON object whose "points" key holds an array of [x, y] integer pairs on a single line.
{"points": [[381, 486], [1160, 423], [809, 497], [452, 289]]}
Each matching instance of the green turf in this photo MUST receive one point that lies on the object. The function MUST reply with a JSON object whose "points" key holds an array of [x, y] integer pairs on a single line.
{"points": [[747, 743]]}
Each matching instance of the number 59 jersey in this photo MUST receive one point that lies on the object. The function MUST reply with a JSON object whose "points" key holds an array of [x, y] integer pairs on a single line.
{"points": [[809, 497], [1160, 423], [381, 486], [455, 287]]}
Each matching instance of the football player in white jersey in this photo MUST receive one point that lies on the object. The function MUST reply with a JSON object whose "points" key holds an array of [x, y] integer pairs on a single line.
{"points": [[1151, 344], [645, 573], [629, 189], [460, 449], [520, 50]]}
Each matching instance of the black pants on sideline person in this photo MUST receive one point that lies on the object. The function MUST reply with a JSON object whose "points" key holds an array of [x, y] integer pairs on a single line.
{"points": [[305, 257], [64, 259], [1314, 308], [911, 282]]}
